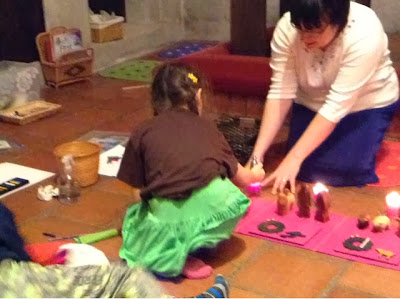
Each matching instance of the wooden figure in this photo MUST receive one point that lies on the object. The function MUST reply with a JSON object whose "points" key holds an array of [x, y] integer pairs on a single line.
{"points": [[381, 223], [304, 201], [363, 221], [285, 202], [323, 204], [386, 253]]}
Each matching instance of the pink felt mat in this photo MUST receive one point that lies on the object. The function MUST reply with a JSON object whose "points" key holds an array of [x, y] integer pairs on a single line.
{"points": [[388, 165], [387, 240], [326, 237]]}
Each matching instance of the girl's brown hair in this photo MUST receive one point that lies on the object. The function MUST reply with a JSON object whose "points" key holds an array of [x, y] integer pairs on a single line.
{"points": [[175, 85]]}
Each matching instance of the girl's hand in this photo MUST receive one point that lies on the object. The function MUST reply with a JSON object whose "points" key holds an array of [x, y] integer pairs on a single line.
{"points": [[286, 172], [258, 172]]}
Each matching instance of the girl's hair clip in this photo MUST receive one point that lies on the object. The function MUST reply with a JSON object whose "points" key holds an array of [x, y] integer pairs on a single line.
{"points": [[192, 77]]}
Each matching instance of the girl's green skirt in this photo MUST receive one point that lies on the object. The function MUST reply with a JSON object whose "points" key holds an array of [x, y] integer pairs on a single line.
{"points": [[159, 234]]}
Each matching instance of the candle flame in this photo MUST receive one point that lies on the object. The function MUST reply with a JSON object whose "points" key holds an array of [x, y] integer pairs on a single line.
{"points": [[393, 199], [319, 187]]}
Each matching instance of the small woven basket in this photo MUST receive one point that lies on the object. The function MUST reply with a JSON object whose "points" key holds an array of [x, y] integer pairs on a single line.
{"points": [[86, 156], [107, 34]]}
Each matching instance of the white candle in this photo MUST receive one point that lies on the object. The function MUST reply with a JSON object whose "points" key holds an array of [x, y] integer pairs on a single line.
{"points": [[393, 205]]}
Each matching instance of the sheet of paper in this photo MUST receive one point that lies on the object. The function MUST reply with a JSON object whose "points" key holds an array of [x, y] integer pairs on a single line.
{"points": [[4, 144], [110, 161], [9, 171]]}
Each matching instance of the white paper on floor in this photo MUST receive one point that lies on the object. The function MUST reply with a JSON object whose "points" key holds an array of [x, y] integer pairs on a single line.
{"points": [[110, 161], [4, 144], [10, 171]]}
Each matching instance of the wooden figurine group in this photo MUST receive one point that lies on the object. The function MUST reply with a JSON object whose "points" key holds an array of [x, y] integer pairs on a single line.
{"points": [[287, 199], [380, 223]]}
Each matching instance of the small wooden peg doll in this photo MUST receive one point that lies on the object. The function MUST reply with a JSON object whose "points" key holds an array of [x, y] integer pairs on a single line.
{"points": [[304, 200], [285, 202]]}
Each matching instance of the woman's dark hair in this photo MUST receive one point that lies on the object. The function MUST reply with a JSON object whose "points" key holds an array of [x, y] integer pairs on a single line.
{"points": [[175, 85], [310, 14]]}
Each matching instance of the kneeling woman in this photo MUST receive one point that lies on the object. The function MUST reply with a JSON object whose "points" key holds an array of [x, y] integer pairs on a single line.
{"points": [[331, 67]]}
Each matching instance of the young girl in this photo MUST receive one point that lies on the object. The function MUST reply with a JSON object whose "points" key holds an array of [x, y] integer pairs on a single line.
{"points": [[184, 167]]}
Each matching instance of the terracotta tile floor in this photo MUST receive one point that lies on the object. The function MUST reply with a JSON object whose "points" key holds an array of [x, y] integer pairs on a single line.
{"points": [[254, 268]]}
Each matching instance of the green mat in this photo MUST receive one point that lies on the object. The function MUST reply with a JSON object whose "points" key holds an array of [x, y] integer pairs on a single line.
{"points": [[136, 70]]}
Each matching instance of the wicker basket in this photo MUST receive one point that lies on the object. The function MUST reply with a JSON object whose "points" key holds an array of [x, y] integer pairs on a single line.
{"points": [[68, 72], [72, 67], [86, 156], [107, 34]]}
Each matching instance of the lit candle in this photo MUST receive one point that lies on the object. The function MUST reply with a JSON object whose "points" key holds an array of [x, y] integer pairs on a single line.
{"points": [[322, 202], [318, 188], [393, 205], [254, 187]]}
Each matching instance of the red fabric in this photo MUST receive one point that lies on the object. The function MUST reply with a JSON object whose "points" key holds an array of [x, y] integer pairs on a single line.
{"points": [[233, 74], [45, 253], [388, 165], [394, 129]]}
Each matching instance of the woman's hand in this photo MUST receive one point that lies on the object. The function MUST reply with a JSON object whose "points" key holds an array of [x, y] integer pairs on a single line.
{"points": [[286, 172], [317, 131]]}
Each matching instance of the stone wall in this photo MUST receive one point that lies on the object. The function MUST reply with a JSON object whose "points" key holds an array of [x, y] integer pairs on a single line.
{"points": [[210, 19], [190, 19], [164, 13], [152, 24], [388, 11], [68, 13]]}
